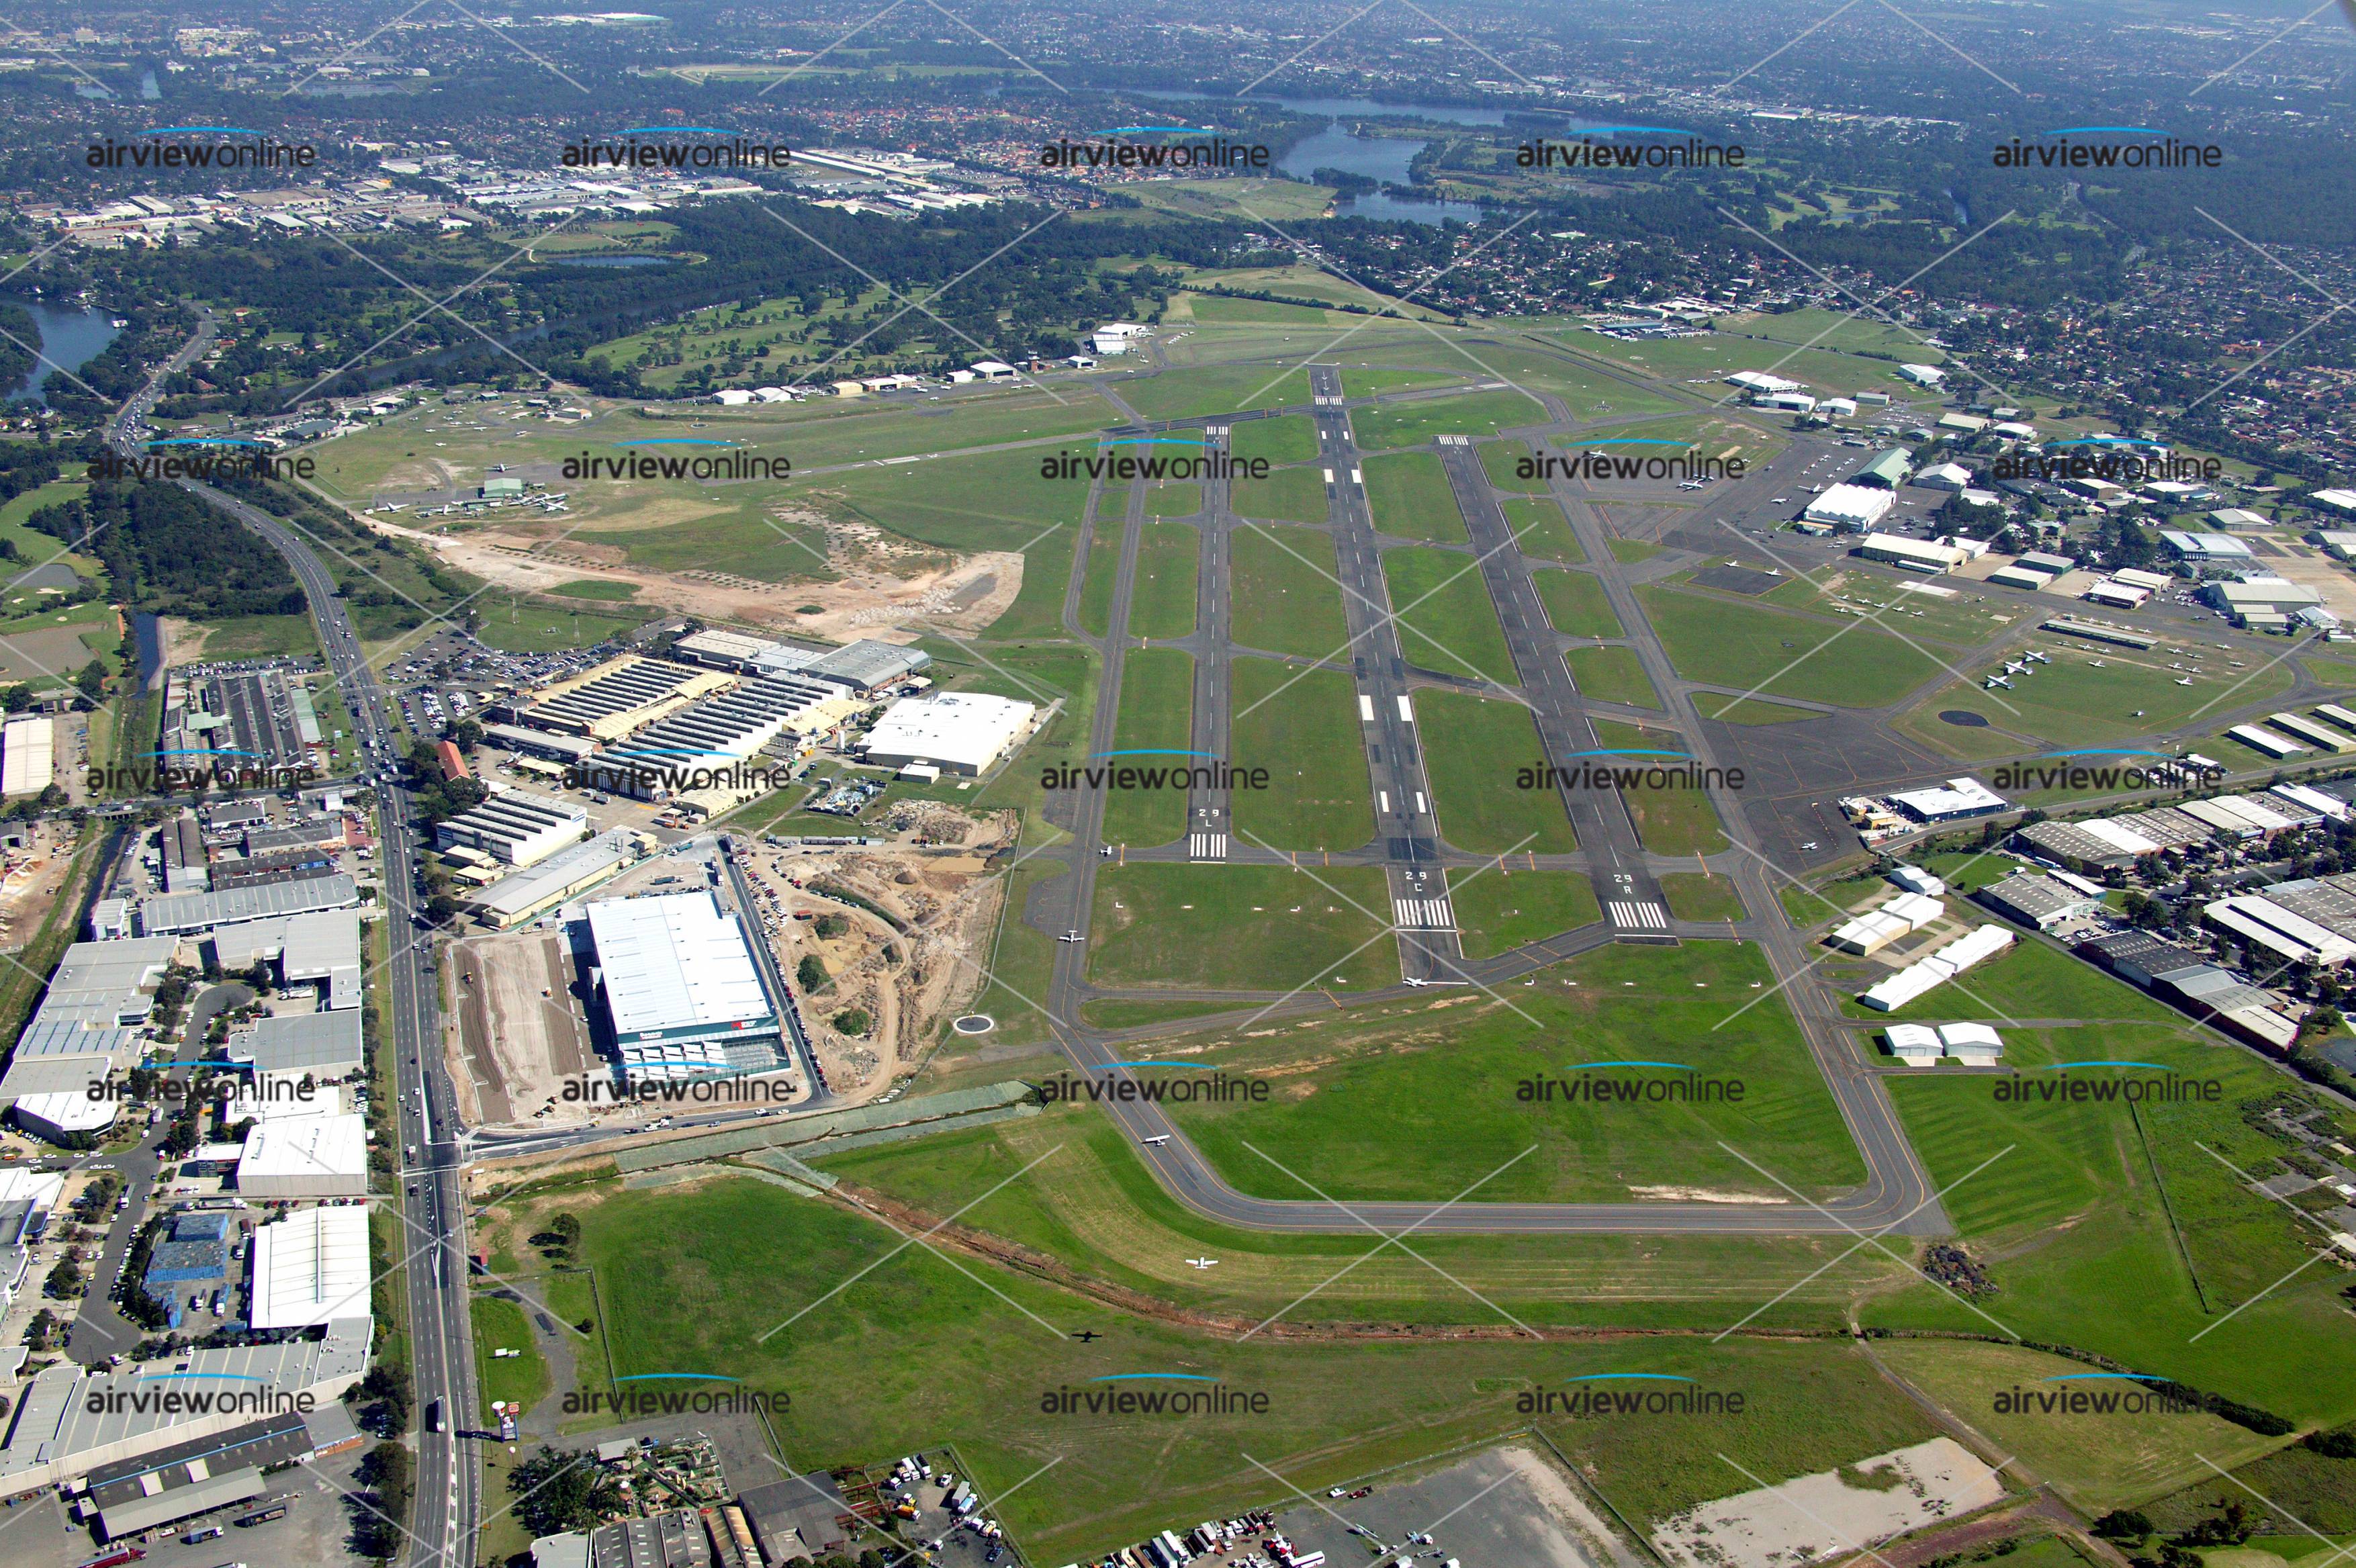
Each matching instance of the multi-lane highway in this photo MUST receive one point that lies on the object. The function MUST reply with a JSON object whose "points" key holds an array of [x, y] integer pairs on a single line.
{"points": [[432, 1235]]}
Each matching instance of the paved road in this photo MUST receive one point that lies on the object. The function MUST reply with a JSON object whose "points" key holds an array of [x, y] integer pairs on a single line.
{"points": [[431, 1206]]}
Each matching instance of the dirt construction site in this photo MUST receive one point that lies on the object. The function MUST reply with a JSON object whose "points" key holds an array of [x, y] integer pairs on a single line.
{"points": [[881, 588], [900, 930]]}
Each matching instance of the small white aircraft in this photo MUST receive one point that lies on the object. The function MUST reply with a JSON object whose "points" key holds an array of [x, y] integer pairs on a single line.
{"points": [[1996, 680], [2094, 664], [1201, 1262], [2034, 657], [1152, 1143], [1072, 935], [1419, 983], [2187, 681]]}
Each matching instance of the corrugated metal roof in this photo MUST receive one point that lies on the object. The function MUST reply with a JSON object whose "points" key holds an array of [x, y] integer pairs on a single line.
{"points": [[674, 962]]}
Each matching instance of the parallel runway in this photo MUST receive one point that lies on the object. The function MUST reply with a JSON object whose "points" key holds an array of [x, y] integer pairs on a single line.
{"points": [[1410, 844]]}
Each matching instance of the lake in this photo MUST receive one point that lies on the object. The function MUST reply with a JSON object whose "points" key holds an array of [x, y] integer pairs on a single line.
{"points": [[69, 337]]}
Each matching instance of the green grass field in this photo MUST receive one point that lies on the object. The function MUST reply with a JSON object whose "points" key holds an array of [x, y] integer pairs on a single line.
{"points": [[1231, 927], [1157, 708], [1169, 566], [1174, 500], [1301, 725], [1288, 438], [1408, 494], [2096, 1461], [1499, 460], [596, 588], [1497, 911], [1630, 552], [1672, 818], [262, 636], [1101, 572], [1576, 604], [1286, 496], [517, 1380], [2147, 1247], [1473, 748], [1423, 1104], [1611, 675], [1414, 424], [1696, 895], [1445, 621], [694, 1278], [2068, 701], [1747, 647], [1283, 595], [521, 626], [1541, 531], [1215, 390]]}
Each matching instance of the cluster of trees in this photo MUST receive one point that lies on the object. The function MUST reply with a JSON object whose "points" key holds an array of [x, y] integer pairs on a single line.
{"points": [[388, 1473], [561, 1491], [167, 552]]}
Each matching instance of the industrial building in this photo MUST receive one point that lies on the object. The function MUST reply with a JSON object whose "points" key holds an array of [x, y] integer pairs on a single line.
{"points": [[322, 1045], [867, 666], [68, 1426], [567, 874], [564, 749], [1956, 801], [1901, 916], [175, 915], [29, 761], [1914, 554], [2041, 901], [86, 1030], [681, 990], [2259, 602], [2271, 929], [740, 655], [956, 732], [515, 828], [619, 697], [238, 720], [291, 1157], [1853, 507], [698, 755], [320, 949], [1925, 974], [311, 1268]]}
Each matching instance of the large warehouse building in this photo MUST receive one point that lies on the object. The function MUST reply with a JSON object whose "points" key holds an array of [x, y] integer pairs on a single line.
{"points": [[681, 990], [956, 731], [515, 828]]}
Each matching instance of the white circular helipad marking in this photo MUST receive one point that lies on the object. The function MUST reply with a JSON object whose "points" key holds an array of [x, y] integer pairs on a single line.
{"points": [[975, 1023]]}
